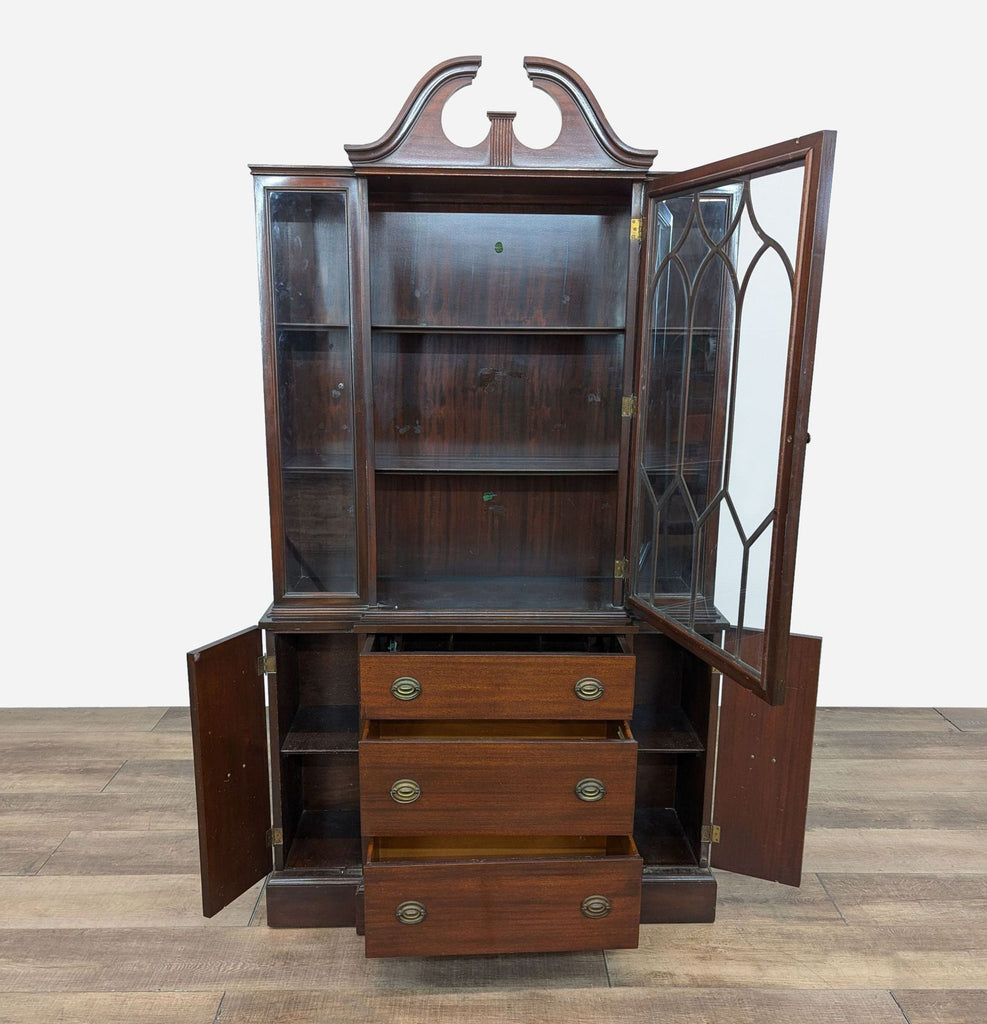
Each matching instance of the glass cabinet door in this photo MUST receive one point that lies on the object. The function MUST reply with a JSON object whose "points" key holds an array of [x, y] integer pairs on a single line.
{"points": [[309, 304], [733, 274]]}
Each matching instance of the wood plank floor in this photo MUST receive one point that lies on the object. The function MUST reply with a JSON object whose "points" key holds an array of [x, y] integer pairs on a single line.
{"points": [[100, 917]]}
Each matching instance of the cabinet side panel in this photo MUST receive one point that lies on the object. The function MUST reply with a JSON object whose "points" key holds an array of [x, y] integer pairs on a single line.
{"points": [[762, 772], [231, 782]]}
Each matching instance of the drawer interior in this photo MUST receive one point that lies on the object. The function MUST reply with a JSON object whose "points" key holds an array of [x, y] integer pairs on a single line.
{"points": [[453, 729], [388, 849], [492, 643]]}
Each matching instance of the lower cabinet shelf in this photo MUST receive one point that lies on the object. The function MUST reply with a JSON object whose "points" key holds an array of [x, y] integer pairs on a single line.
{"points": [[452, 895]]}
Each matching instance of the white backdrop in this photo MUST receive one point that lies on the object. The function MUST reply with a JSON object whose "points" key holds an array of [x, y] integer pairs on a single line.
{"points": [[136, 521]]}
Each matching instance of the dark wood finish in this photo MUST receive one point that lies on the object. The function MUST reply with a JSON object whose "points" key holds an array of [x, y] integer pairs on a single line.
{"points": [[426, 265], [678, 898], [229, 743], [301, 539], [498, 785], [484, 526], [497, 685], [454, 387], [762, 772], [523, 905], [311, 902], [416, 138], [767, 674], [460, 401]]}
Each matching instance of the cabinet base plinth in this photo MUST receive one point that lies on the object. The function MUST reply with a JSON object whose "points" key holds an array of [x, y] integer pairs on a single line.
{"points": [[678, 898], [311, 902]]}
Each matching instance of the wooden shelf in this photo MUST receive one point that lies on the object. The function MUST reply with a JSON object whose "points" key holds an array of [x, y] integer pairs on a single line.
{"points": [[322, 729], [327, 843], [388, 463], [661, 839], [666, 731], [492, 593]]}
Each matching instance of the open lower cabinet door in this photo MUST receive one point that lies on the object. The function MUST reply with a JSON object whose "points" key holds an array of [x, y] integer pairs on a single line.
{"points": [[229, 742], [762, 772]]}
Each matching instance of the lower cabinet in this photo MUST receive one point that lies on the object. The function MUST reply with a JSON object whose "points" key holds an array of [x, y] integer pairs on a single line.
{"points": [[455, 793]]}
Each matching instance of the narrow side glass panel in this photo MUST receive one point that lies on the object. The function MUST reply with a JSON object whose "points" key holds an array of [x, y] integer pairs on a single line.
{"points": [[315, 389]]}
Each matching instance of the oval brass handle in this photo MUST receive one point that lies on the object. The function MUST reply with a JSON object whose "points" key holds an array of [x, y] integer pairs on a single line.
{"points": [[405, 791], [413, 912], [406, 688], [590, 790], [589, 689], [595, 907]]}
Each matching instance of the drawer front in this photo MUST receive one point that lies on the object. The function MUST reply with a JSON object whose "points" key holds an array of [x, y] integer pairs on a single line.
{"points": [[497, 786], [521, 906], [403, 685]]}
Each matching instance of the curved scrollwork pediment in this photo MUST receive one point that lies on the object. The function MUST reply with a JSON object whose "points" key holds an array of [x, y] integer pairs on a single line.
{"points": [[416, 139]]}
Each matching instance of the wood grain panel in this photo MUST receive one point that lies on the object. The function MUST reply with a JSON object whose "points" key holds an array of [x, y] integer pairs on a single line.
{"points": [[520, 906], [497, 685], [910, 899], [536, 269], [933, 1006], [762, 772], [859, 809], [229, 737], [497, 397], [881, 720], [111, 1007], [580, 1004], [476, 525], [125, 852], [115, 901], [958, 851], [967, 719], [58, 720], [771, 954], [497, 786]]}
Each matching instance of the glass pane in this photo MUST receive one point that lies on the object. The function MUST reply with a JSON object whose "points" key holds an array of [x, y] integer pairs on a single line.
{"points": [[308, 254], [717, 336], [313, 351]]}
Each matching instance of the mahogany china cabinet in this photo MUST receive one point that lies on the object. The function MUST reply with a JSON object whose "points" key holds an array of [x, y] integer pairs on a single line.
{"points": [[536, 427]]}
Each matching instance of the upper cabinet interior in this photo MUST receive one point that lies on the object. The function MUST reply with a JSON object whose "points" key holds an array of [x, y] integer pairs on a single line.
{"points": [[542, 383]]}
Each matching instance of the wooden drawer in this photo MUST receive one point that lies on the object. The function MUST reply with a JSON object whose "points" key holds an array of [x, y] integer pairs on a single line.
{"points": [[466, 896], [519, 778], [496, 684]]}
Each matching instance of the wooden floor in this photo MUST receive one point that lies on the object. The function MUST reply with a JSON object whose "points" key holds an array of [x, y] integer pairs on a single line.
{"points": [[100, 920]]}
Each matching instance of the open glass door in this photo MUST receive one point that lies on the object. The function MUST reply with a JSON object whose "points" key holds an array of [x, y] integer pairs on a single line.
{"points": [[731, 297]]}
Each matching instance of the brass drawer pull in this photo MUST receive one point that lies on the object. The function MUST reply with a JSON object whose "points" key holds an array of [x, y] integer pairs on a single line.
{"points": [[590, 790], [406, 688], [405, 791], [589, 689], [413, 912], [595, 907]]}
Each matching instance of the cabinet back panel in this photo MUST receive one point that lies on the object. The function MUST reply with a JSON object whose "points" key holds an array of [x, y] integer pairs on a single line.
{"points": [[466, 269], [478, 526], [326, 665], [497, 396]]}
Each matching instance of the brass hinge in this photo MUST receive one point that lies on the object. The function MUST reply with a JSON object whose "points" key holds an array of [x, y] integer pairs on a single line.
{"points": [[711, 833], [274, 837], [266, 665], [628, 406], [635, 229], [620, 569]]}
